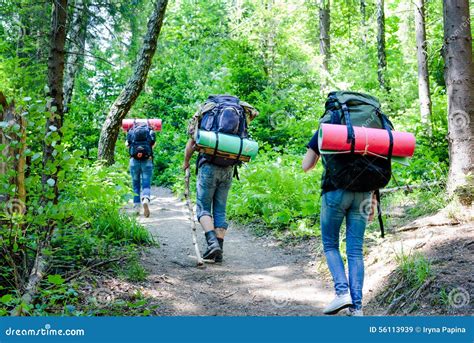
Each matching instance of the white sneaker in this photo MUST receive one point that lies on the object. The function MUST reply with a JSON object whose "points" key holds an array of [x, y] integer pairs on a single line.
{"points": [[354, 313], [340, 302], [146, 208]]}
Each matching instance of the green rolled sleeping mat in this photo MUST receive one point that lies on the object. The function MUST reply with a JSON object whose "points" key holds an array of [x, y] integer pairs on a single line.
{"points": [[228, 144]]}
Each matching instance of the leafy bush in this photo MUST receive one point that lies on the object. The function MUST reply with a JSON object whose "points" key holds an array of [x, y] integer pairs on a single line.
{"points": [[275, 190]]}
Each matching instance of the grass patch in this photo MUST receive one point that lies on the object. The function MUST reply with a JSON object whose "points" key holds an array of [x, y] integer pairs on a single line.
{"points": [[134, 271]]}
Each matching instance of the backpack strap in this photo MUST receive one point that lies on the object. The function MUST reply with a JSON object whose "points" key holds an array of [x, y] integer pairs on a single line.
{"points": [[215, 148], [240, 149], [335, 117], [350, 128], [379, 213], [236, 172], [386, 124]]}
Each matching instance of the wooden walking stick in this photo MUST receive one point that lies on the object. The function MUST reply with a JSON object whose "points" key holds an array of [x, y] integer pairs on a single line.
{"points": [[200, 261]]}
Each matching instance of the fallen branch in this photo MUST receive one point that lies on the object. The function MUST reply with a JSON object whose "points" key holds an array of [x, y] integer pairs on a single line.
{"points": [[86, 269], [416, 225], [409, 188]]}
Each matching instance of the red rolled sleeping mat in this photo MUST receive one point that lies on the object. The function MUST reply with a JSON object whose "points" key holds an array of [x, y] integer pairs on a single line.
{"points": [[333, 139], [155, 124]]}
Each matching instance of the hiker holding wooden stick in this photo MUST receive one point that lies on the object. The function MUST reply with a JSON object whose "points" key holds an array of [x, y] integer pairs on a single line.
{"points": [[227, 118]]}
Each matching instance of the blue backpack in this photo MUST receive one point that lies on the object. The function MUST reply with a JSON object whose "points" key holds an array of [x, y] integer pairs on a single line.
{"points": [[227, 116], [140, 141]]}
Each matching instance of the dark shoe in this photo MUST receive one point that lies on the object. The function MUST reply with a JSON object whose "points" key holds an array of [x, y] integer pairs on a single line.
{"points": [[220, 257], [213, 248], [146, 206]]}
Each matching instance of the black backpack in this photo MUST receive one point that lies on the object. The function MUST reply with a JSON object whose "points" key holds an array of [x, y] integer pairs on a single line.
{"points": [[139, 140], [227, 116]]}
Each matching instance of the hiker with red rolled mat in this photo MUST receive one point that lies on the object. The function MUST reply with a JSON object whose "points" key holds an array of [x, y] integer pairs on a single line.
{"points": [[140, 142], [357, 144], [219, 132]]}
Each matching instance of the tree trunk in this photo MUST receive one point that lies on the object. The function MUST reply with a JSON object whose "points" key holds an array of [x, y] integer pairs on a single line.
{"points": [[131, 91], [55, 104], [13, 153], [459, 77], [53, 125], [268, 39], [77, 41], [423, 75], [324, 37], [363, 23], [382, 57]]}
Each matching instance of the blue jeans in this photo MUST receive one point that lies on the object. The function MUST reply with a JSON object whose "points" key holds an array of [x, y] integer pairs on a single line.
{"points": [[142, 173], [337, 205], [213, 185]]}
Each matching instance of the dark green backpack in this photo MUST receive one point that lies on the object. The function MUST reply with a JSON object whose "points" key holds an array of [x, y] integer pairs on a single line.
{"points": [[355, 172]]}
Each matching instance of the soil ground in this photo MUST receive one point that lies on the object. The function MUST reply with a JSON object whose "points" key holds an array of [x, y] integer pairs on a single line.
{"points": [[257, 277], [261, 276]]}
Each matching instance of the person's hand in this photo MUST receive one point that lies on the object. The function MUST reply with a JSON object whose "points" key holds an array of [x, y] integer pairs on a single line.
{"points": [[371, 215], [372, 210], [186, 165]]}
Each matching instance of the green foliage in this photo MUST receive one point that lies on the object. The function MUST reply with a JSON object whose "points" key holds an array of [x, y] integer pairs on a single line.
{"points": [[275, 190], [134, 271], [268, 56], [414, 268]]}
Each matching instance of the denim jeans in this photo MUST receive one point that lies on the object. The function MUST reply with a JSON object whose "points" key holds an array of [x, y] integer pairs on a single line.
{"points": [[213, 185], [142, 173], [337, 205]]}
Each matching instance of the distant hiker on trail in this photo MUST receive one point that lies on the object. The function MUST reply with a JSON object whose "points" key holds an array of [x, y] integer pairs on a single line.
{"points": [[348, 184], [140, 142], [221, 114]]}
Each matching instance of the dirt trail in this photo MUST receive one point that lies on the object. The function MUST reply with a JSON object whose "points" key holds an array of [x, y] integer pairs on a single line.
{"points": [[256, 278]]}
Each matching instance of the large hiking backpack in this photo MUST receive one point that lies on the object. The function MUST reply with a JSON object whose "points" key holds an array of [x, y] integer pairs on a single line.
{"points": [[226, 116], [354, 172], [140, 141]]}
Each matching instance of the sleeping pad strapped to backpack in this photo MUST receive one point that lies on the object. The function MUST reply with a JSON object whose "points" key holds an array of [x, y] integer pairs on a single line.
{"points": [[355, 172], [227, 116]]}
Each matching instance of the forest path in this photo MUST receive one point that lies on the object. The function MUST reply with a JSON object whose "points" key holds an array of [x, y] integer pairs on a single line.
{"points": [[257, 277]]}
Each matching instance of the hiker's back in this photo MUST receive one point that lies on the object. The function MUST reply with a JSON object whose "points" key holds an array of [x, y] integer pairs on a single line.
{"points": [[140, 140], [223, 114], [350, 171]]}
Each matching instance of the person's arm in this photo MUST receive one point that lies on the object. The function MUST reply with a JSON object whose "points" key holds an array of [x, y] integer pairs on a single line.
{"points": [[312, 154], [127, 143], [188, 152], [153, 138], [310, 160]]}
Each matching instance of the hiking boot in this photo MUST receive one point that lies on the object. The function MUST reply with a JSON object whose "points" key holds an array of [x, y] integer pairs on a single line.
{"points": [[220, 257], [213, 248], [340, 302], [146, 207], [352, 312]]}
